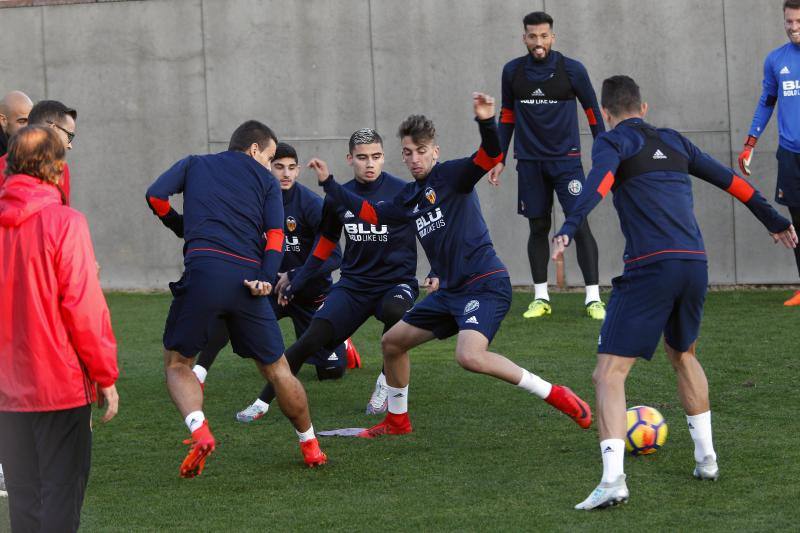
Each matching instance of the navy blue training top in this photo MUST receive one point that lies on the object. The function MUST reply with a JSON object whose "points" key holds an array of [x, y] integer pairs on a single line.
{"points": [[232, 209], [539, 109], [655, 208]]}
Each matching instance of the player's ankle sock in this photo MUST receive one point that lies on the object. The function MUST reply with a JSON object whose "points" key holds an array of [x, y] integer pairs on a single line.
{"points": [[613, 453], [261, 404], [398, 399], [194, 420], [592, 294], [200, 372], [700, 430], [540, 291], [307, 434], [534, 384]]}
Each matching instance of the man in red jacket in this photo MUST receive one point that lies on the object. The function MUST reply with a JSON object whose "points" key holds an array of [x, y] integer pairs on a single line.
{"points": [[56, 342]]}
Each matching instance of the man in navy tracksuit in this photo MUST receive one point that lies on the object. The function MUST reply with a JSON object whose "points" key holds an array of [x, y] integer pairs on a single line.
{"points": [[474, 288], [663, 286], [233, 231], [302, 210], [539, 92], [378, 271]]}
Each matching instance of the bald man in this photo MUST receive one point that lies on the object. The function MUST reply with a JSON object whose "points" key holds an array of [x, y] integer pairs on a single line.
{"points": [[14, 110]]}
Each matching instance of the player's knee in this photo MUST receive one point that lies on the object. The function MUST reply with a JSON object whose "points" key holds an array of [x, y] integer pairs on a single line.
{"points": [[394, 311], [173, 359], [391, 345], [540, 226], [470, 360]]}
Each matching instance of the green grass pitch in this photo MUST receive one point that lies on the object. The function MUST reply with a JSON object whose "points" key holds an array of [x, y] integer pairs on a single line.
{"points": [[484, 455]]}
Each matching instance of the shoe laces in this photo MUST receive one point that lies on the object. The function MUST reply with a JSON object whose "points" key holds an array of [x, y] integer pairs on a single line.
{"points": [[379, 396]]}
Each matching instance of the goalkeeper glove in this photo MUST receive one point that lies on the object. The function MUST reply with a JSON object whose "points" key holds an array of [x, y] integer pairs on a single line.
{"points": [[747, 154]]}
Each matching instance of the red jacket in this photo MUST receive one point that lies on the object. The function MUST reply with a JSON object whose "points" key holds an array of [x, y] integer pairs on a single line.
{"points": [[55, 329], [64, 177]]}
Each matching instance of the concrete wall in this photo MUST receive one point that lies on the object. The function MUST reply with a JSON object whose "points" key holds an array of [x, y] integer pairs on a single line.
{"points": [[156, 80]]}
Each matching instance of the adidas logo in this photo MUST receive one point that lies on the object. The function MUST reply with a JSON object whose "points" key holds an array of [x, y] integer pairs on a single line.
{"points": [[398, 395], [416, 209], [399, 296], [608, 449], [472, 320], [659, 155], [349, 214], [785, 70], [537, 92], [333, 357], [691, 426]]}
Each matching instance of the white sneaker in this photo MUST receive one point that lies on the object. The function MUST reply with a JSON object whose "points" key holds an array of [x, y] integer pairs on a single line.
{"points": [[252, 413], [707, 469], [606, 495], [3, 493], [379, 402]]}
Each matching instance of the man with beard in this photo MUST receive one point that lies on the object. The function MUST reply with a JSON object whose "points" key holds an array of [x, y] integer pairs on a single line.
{"points": [[538, 108]]}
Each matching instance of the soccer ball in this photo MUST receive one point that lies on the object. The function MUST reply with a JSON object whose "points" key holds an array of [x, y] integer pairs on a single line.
{"points": [[647, 430]]}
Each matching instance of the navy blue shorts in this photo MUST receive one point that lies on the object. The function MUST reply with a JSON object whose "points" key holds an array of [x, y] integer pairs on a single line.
{"points": [[347, 308], [662, 297], [787, 191], [212, 289], [301, 314], [538, 179], [480, 306]]}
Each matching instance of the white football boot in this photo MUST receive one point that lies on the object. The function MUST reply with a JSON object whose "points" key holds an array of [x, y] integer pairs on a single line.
{"points": [[251, 413], [379, 401], [606, 495], [707, 469]]}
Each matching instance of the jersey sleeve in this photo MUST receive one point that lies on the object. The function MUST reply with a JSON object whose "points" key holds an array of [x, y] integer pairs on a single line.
{"points": [[606, 157], [507, 119], [582, 86], [83, 306], [325, 252], [463, 174], [766, 104], [157, 196], [315, 217], [374, 213], [712, 171], [272, 216]]}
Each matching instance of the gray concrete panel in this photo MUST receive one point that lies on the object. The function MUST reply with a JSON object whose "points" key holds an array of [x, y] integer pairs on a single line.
{"points": [[675, 51], [22, 66], [135, 74], [305, 65]]}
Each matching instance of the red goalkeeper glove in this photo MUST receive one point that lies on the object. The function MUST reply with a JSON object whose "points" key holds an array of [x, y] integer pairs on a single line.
{"points": [[747, 154]]}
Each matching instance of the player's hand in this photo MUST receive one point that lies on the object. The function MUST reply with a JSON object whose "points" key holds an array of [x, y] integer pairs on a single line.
{"points": [[258, 288], [282, 283], [560, 243], [108, 396], [321, 168], [747, 154], [494, 174], [285, 295], [431, 284], [483, 104], [787, 237]]}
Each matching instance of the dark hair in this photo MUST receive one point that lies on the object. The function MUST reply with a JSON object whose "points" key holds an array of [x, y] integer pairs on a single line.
{"points": [[419, 128], [620, 95], [251, 132], [364, 136], [283, 150], [36, 151], [791, 4], [46, 111], [536, 18]]}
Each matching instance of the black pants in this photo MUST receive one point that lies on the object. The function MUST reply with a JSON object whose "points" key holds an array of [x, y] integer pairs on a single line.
{"points": [[46, 458]]}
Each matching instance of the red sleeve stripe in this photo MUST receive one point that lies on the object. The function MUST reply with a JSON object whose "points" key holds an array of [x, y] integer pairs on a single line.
{"points": [[740, 189], [368, 214], [161, 207], [591, 117], [324, 248], [605, 185], [274, 240], [506, 116], [485, 161]]}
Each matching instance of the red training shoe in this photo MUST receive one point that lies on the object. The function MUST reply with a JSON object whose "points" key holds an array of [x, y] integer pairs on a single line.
{"points": [[203, 444], [392, 425], [569, 403], [794, 300], [312, 454], [353, 358]]}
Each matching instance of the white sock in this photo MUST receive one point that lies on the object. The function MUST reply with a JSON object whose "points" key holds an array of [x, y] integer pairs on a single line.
{"points": [[194, 420], [261, 404], [540, 291], [307, 434], [613, 453], [398, 399], [592, 294], [200, 372], [534, 384], [700, 430]]}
